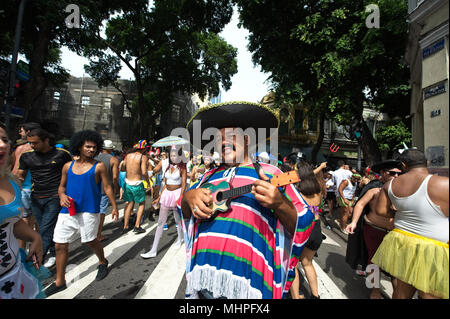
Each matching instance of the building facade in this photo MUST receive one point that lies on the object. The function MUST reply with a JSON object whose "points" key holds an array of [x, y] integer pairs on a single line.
{"points": [[80, 104], [428, 56]]}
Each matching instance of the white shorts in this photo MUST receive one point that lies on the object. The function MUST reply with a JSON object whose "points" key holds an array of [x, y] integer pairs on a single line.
{"points": [[69, 228]]}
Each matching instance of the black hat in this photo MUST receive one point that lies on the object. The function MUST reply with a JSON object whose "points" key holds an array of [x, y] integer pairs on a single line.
{"points": [[235, 114], [385, 165]]}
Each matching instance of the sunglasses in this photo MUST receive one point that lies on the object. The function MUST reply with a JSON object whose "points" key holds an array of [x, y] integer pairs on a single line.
{"points": [[393, 173]]}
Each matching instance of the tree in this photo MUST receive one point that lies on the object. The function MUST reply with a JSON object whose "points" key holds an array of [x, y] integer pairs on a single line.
{"points": [[44, 32], [391, 137], [323, 54], [170, 47]]}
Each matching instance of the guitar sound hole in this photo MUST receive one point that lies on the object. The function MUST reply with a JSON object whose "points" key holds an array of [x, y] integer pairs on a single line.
{"points": [[219, 196]]}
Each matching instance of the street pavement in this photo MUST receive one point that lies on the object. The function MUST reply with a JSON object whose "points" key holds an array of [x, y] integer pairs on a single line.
{"points": [[163, 277]]}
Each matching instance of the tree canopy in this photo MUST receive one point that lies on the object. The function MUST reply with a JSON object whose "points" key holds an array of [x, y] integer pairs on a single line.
{"points": [[322, 53]]}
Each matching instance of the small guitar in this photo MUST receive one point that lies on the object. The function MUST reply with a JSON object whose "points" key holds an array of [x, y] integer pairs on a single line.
{"points": [[222, 192]]}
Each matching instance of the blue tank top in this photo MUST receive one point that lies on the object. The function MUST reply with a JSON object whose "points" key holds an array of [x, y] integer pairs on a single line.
{"points": [[27, 182], [84, 190], [12, 209]]}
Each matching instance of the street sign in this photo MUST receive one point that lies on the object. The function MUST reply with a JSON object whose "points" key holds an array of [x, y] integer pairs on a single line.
{"points": [[23, 71], [15, 111]]}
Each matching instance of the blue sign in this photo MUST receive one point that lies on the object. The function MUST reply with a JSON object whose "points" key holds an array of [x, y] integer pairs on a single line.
{"points": [[435, 47], [434, 90], [15, 111]]}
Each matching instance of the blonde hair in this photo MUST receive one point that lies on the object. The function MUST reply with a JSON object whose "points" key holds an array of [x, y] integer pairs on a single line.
{"points": [[5, 171]]}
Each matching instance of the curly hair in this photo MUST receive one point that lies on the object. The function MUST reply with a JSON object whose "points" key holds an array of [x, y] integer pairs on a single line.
{"points": [[79, 138]]}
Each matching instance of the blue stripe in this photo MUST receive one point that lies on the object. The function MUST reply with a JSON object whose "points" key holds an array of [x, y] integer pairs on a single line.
{"points": [[238, 268]]}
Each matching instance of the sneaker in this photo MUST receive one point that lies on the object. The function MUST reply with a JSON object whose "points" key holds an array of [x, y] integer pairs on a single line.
{"points": [[125, 230], [138, 230], [53, 289], [166, 227], [150, 254], [50, 262], [102, 271], [360, 272]]}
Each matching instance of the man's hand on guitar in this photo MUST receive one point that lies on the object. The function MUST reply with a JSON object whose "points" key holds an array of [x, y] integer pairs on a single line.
{"points": [[198, 201], [267, 194]]}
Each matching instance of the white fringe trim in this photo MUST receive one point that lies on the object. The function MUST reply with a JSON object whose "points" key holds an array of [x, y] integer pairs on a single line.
{"points": [[219, 282]]}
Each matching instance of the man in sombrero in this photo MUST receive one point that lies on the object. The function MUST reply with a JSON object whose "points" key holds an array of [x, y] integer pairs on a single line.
{"points": [[136, 166], [250, 250]]}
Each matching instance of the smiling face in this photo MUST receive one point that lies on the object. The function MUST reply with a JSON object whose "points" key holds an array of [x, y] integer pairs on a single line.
{"points": [[4, 148], [231, 143]]}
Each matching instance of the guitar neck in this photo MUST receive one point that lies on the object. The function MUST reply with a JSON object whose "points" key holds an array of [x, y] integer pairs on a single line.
{"points": [[278, 181]]}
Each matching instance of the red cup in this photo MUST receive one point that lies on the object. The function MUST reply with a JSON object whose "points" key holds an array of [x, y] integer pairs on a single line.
{"points": [[72, 210]]}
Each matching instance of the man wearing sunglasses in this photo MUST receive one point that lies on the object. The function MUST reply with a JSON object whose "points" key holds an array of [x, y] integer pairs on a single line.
{"points": [[373, 227]]}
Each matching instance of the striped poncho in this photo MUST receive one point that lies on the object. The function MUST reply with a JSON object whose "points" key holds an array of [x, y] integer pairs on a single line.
{"points": [[245, 252]]}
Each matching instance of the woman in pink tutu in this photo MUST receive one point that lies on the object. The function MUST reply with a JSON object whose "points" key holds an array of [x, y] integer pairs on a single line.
{"points": [[174, 186]]}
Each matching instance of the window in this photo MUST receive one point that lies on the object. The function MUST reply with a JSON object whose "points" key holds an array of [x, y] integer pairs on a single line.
{"points": [[85, 100], [126, 112], [298, 120], [55, 101], [312, 123], [176, 110], [107, 103]]}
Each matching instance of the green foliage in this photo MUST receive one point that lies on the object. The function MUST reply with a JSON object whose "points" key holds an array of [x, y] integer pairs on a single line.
{"points": [[170, 47], [324, 53], [391, 137]]}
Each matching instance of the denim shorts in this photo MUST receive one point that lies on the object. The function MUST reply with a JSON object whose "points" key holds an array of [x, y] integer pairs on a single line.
{"points": [[104, 203], [26, 201]]}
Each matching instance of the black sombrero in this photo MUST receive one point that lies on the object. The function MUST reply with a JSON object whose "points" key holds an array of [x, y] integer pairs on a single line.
{"points": [[235, 114], [384, 165]]}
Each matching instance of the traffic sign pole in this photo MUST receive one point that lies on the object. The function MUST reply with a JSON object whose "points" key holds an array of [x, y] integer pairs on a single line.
{"points": [[12, 75]]}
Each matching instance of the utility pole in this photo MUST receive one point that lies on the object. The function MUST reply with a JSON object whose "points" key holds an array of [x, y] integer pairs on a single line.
{"points": [[12, 74]]}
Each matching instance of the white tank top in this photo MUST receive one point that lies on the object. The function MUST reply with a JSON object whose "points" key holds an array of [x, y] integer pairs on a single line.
{"points": [[173, 178], [417, 214], [349, 190]]}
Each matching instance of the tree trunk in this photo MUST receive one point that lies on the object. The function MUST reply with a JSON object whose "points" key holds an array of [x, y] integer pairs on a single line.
{"points": [[36, 85], [318, 144], [369, 147]]}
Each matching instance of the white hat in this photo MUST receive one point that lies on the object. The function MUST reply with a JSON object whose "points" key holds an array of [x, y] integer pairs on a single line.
{"points": [[108, 145], [264, 156]]}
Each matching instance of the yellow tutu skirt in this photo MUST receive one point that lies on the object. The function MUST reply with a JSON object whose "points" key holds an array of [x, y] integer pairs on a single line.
{"points": [[419, 261]]}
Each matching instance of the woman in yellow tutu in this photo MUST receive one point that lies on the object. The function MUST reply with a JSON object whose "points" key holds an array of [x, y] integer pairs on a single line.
{"points": [[416, 251]]}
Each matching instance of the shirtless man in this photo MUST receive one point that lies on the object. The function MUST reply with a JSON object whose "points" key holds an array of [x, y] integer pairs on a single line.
{"points": [[136, 166], [375, 227]]}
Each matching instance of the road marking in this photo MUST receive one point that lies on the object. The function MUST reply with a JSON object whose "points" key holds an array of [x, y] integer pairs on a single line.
{"points": [[386, 286], [330, 241], [165, 279], [84, 274], [326, 287]]}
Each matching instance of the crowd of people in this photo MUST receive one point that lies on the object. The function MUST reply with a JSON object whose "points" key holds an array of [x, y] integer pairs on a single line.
{"points": [[248, 245]]}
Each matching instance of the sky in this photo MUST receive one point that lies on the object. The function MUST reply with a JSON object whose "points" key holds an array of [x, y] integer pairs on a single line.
{"points": [[249, 84]]}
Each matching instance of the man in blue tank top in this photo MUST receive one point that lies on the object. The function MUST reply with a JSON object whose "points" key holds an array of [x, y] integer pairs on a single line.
{"points": [[81, 182]]}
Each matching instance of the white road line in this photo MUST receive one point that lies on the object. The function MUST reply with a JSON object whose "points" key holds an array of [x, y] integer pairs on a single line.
{"points": [[165, 279], [83, 275], [330, 241], [386, 286], [327, 288]]}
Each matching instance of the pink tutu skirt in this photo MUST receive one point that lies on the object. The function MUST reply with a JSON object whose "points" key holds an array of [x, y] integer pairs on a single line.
{"points": [[169, 198]]}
